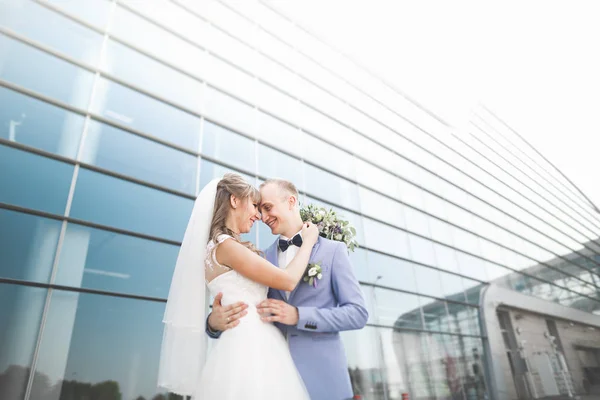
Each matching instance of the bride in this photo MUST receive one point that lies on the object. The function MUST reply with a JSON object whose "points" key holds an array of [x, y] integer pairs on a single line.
{"points": [[252, 361]]}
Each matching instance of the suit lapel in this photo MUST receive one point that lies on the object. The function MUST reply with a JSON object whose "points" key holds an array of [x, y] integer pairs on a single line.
{"points": [[310, 260]]}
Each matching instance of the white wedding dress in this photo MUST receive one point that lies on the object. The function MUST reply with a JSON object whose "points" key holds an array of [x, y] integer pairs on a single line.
{"points": [[252, 360]]}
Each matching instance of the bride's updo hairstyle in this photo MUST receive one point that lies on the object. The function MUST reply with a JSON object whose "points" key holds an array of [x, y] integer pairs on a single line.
{"points": [[231, 184]]}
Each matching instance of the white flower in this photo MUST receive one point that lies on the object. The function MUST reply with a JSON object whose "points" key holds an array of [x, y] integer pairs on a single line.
{"points": [[312, 271], [319, 276]]}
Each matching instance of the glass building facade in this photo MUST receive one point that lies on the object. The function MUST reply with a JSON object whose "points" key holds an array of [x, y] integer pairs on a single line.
{"points": [[115, 114]]}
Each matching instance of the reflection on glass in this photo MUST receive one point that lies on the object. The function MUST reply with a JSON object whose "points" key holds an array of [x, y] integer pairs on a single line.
{"points": [[27, 244], [228, 146], [412, 368], [142, 71], [38, 124], [69, 84], [398, 309], [20, 317], [103, 260], [114, 202], [362, 351], [59, 33], [99, 347], [113, 149], [33, 181], [143, 113]]}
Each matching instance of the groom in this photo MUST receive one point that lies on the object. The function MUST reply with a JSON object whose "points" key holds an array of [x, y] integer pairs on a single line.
{"points": [[310, 317]]}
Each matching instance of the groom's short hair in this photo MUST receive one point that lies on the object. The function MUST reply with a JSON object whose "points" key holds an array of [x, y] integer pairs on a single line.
{"points": [[286, 186]]}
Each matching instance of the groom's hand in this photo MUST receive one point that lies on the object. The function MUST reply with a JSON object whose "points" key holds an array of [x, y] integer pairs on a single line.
{"points": [[225, 317], [272, 310]]}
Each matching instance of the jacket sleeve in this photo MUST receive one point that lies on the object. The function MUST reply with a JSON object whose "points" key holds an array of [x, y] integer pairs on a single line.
{"points": [[351, 312]]}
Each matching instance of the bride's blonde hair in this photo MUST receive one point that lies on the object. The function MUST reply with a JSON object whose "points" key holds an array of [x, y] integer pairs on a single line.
{"points": [[231, 184]]}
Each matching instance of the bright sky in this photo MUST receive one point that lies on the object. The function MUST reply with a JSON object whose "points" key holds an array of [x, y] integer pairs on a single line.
{"points": [[535, 64]]}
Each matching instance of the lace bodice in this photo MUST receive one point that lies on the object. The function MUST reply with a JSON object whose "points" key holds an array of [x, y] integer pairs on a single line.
{"points": [[234, 286]]}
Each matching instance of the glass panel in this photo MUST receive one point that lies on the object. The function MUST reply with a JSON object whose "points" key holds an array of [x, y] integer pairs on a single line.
{"points": [[435, 315], [158, 42], [421, 250], [452, 286], [331, 187], [360, 265], [380, 207], [398, 309], [142, 71], [471, 266], [411, 356], [138, 157], [416, 221], [273, 164], [32, 181], [143, 113], [390, 271], [446, 258], [210, 171], [20, 317], [228, 147], [103, 260], [277, 103], [328, 156], [34, 123], [464, 319], [280, 134], [59, 33], [230, 112], [230, 79], [69, 84], [362, 351], [265, 237], [428, 281], [94, 12], [114, 202], [121, 336], [386, 239], [28, 245]]}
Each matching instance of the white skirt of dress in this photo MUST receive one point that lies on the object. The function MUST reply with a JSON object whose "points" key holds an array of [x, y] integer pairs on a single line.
{"points": [[250, 361]]}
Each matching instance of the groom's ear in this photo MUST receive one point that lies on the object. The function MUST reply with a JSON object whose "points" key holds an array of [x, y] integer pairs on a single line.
{"points": [[292, 201]]}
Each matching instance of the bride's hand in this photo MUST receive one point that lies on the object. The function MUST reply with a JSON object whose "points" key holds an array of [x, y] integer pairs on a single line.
{"points": [[310, 233]]}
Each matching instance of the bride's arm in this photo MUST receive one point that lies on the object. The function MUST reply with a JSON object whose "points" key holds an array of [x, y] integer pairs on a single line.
{"points": [[251, 265]]}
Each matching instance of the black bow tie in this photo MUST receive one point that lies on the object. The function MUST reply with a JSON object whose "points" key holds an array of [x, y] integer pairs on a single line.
{"points": [[296, 241]]}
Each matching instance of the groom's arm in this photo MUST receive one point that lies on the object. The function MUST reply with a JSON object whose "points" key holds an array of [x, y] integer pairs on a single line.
{"points": [[351, 312], [223, 317]]}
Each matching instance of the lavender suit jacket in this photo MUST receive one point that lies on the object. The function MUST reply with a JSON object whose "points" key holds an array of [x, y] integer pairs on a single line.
{"points": [[335, 305]]}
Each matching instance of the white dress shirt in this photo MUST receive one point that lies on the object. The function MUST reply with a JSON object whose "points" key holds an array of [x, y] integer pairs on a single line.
{"points": [[285, 257]]}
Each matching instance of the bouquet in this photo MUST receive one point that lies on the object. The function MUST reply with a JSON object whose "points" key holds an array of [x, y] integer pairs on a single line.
{"points": [[331, 226]]}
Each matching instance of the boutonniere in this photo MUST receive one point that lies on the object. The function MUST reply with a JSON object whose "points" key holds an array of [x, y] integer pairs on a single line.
{"points": [[313, 274]]}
